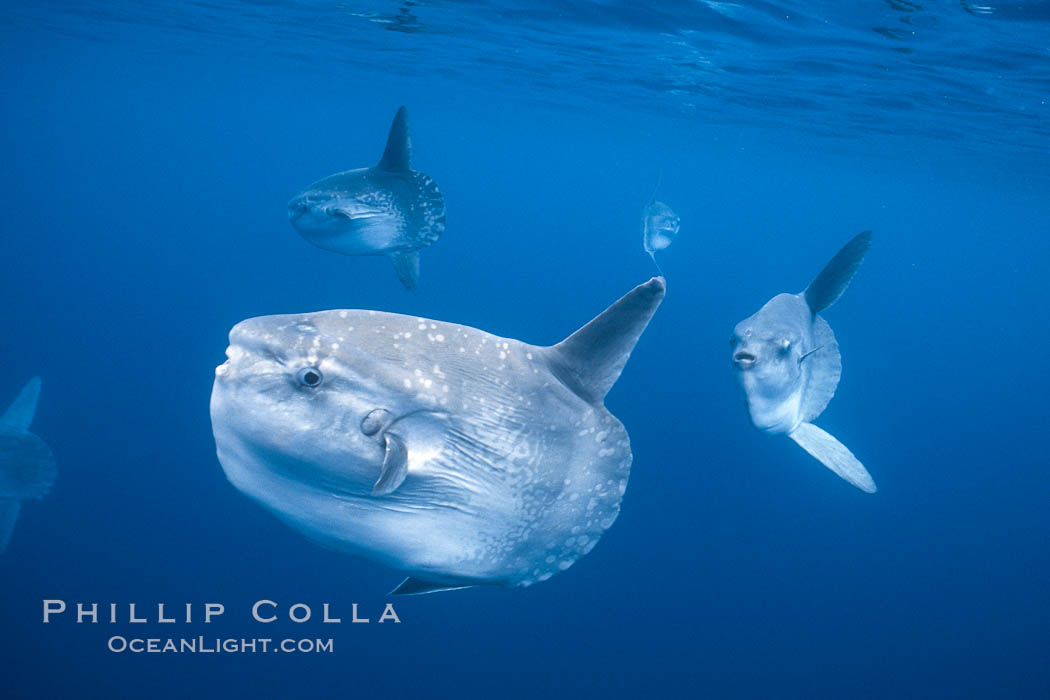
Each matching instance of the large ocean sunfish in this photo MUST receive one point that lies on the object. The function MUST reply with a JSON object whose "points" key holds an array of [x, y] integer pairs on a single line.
{"points": [[27, 467], [388, 209], [788, 363], [438, 449]]}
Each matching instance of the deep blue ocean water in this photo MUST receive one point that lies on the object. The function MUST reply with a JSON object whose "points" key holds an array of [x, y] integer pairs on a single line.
{"points": [[147, 151]]}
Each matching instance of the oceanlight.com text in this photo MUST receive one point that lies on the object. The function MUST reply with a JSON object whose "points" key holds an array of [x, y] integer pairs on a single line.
{"points": [[217, 645]]}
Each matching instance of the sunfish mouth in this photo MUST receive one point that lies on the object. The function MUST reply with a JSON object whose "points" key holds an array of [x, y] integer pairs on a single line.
{"points": [[298, 205], [743, 359], [224, 368]]}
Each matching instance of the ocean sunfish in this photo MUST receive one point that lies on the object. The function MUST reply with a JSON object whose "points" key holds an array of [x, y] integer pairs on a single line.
{"points": [[388, 209], [27, 467], [457, 456], [788, 364], [659, 227]]}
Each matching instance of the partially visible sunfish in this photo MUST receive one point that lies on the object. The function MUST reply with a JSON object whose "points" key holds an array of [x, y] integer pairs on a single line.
{"points": [[659, 227], [788, 364], [457, 456], [27, 467], [388, 209]]}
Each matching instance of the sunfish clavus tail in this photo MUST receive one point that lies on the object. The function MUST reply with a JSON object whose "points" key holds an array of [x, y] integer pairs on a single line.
{"points": [[788, 363]]}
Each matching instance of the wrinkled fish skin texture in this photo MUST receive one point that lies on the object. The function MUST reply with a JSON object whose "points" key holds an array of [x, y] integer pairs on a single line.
{"points": [[511, 475]]}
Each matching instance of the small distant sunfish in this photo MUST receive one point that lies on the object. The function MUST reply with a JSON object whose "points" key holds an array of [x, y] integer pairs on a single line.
{"points": [[27, 467], [788, 364], [659, 228], [388, 209], [457, 456]]}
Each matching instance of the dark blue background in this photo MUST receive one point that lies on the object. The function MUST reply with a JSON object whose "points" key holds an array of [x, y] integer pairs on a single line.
{"points": [[142, 185]]}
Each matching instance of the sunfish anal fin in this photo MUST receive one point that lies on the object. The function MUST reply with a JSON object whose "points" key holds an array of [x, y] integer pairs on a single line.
{"points": [[590, 360], [395, 466], [415, 586], [832, 281], [398, 145], [19, 414], [8, 516], [833, 455], [406, 265]]}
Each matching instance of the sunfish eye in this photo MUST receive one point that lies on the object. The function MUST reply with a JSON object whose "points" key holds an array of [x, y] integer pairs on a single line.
{"points": [[784, 345], [310, 376]]}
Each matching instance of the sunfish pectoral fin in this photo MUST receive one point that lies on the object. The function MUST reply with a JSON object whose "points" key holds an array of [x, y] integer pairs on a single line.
{"points": [[406, 265], [804, 355], [398, 146], [833, 455], [832, 281], [590, 360], [415, 586], [8, 516], [395, 466], [19, 414]]}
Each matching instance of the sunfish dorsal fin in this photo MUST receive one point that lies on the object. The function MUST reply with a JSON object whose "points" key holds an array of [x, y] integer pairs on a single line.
{"points": [[832, 281], [590, 360], [415, 586], [19, 414], [398, 146], [8, 516], [833, 455]]}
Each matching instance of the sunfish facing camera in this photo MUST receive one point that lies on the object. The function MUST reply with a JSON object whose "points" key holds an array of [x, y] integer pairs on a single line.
{"points": [[438, 449], [659, 227], [27, 467], [788, 363], [388, 209]]}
